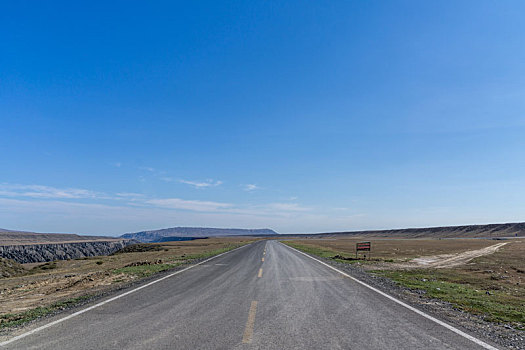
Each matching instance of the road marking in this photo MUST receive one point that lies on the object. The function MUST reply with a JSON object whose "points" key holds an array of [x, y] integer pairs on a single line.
{"points": [[260, 273], [262, 260], [248, 331], [446, 325], [23, 335]]}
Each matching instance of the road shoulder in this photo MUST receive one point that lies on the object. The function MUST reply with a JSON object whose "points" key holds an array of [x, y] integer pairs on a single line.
{"points": [[471, 324]]}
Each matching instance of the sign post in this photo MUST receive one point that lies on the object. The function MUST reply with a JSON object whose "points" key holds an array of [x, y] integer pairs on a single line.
{"points": [[363, 246]]}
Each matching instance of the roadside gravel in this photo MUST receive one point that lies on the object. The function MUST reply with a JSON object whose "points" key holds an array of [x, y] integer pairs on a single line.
{"points": [[503, 335]]}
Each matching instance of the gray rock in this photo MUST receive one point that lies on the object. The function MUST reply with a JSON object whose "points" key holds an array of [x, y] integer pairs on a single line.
{"points": [[60, 251]]}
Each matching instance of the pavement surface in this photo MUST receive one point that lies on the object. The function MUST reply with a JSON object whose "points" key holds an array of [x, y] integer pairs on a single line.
{"points": [[261, 296]]}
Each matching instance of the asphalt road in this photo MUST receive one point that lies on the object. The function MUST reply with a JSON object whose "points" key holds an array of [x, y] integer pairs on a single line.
{"points": [[262, 296]]}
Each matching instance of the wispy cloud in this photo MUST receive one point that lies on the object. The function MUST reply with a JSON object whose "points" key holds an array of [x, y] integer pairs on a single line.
{"points": [[147, 168], [167, 179], [39, 191], [194, 205], [201, 184], [63, 209], [129, 195], [287, 207], [250, 187]]}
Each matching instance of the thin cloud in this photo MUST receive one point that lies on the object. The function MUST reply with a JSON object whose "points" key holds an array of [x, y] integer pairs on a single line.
{"points": [[287, 207], [202, 184], [194, 205], [147, 168], [167, 179], [129, 195], [137, 200], [250, 187], [39, 191]]}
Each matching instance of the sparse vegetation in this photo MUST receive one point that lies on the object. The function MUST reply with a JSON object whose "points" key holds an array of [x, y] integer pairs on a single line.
{"points": [[467, 294], [10, 268], [208, 254], [139, 248], [393, 250], [322, 252], [11, 320], [145, 270], [47, 266]]}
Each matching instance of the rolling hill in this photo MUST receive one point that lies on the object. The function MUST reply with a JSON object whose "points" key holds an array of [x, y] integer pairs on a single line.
{"points": [[465, 231]]}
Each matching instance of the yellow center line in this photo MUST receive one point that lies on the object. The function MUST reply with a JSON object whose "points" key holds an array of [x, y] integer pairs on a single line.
{"points": [[260, 273], [248, 331]]}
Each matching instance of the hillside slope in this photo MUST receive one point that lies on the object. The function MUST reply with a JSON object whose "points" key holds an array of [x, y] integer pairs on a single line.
{"points": [[465, 231], [11, 237], [9, 268]]}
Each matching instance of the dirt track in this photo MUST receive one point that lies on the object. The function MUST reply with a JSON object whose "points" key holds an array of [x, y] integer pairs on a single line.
{"points": [[451, 260]]}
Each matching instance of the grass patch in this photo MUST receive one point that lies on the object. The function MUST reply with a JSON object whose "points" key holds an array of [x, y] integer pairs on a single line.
{"points": [[148, 270], [495, 305], [323, 252], [11, 320], [139, 248], [211, 253], [9, 268], [47, 266], [144, 270]]}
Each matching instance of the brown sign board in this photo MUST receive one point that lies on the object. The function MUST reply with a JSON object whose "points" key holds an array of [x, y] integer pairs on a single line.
{"points": [[363, 246]]}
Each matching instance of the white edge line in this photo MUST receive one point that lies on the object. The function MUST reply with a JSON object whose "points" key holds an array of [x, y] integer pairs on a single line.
{"points": [[419, 312], [23, 335]]}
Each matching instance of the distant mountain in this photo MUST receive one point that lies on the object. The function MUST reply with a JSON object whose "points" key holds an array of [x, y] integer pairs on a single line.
{"points": [[157, 235], [177, 239]]}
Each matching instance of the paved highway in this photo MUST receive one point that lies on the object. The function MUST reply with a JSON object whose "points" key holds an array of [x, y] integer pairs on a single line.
{"points": [[261, 296]]}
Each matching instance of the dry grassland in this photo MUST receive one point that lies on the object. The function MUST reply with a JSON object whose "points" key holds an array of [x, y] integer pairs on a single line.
{"points": [[398, 250]]}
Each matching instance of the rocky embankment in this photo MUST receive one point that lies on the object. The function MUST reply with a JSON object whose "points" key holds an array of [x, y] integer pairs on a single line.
{"points": [[31, 253]]}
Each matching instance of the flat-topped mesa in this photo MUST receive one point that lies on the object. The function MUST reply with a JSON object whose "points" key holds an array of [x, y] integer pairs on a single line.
{"points": [[157, 235]]}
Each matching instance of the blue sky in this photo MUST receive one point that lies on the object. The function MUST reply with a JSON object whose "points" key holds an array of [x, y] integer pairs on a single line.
{"points": [[298, 116]]}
